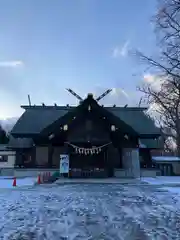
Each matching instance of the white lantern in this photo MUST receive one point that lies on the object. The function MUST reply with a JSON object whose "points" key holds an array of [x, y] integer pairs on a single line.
{"points": [[113, 128], [89, 108], [65, 127], [126, 136], [51, 136]]}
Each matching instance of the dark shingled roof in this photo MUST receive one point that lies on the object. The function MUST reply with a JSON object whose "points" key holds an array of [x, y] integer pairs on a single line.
{"points": [[137, 119], [36, 118], [15, 143]]}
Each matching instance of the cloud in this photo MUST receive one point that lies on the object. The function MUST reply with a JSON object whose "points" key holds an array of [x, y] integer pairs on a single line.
{"points": [[121, 51], [154, 80], [119, 91], [11, 64]]}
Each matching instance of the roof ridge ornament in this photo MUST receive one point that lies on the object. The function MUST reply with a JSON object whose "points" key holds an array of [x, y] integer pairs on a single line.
{"points": [[90, 95]]}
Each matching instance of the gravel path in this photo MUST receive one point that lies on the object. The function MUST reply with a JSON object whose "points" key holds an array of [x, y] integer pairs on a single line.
{"points": [[90, 211]]}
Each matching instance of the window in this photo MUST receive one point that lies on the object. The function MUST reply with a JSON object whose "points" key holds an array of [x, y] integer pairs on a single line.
{"points": [[3, 158]]}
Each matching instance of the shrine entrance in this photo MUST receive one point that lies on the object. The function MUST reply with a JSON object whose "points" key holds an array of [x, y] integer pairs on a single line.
{"points": [[88, 161]]}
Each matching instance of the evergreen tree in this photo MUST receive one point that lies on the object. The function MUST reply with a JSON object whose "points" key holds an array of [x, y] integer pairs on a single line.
{"points": [[4, 139]]}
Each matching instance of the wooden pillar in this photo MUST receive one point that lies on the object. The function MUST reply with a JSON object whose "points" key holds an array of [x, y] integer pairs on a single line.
{"points": [[33, 157], [120, 165], [110, 161], [50, 156]]}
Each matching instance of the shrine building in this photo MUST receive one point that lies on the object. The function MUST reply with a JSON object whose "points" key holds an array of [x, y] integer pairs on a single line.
{"points": [[100, 141]]}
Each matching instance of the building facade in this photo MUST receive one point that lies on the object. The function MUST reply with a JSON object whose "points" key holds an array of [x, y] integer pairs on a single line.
{"points": [[100, 141], [7, 160]]}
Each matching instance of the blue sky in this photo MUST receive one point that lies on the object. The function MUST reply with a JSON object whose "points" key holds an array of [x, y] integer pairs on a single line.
{"points": [[47, 46]]}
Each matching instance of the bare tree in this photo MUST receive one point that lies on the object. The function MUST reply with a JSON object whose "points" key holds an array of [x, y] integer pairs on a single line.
{"points": [[164, 95]]}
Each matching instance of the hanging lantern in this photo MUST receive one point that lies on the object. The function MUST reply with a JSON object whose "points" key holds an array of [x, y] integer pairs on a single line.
{"points": [[113, 128], [89, 108], [126, 136], [65, 127], [51, 136]]}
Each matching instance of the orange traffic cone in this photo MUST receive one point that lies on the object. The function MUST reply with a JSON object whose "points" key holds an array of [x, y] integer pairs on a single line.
{"points": [[14, 182], [39, 179]]}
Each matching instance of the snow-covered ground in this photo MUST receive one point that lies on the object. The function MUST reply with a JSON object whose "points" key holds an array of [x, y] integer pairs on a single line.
{"points": [[90, 211], [168, 183], [7, 182], [170, 180]]}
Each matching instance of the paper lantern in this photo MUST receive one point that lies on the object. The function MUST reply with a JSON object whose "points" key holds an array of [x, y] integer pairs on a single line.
{"points": [[113, 128], [51, 136], [65, 127], [89, 108]]}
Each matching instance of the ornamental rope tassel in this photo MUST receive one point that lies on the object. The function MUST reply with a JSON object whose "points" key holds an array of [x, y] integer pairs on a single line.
{"points": [[86, 151], [93, 150]]}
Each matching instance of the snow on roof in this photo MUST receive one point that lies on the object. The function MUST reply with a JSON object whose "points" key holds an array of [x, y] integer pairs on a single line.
{"points": [[165, 159]]}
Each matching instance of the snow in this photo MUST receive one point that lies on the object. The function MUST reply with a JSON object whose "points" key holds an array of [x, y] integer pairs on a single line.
{"points": [[161, 180], [7, 182], [175, 190], [165, 159], [90, 211]]}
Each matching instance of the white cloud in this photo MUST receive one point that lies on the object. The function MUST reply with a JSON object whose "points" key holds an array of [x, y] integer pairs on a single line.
{"points": [[119, 91], [154, 80], [121, 51], [11, 64]]}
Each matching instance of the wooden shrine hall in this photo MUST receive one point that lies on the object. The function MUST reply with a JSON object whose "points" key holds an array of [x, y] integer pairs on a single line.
{"points": [[100, 141]]}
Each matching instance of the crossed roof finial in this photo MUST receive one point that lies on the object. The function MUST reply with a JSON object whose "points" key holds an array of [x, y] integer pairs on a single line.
{"points": [[89, 94]]}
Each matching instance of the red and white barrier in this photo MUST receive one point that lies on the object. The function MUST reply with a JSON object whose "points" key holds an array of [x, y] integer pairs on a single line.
{"points": [[43, 177]]}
